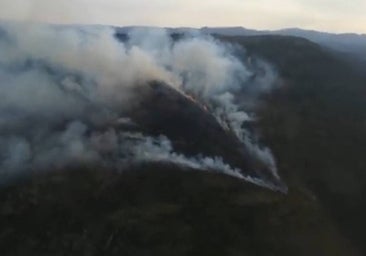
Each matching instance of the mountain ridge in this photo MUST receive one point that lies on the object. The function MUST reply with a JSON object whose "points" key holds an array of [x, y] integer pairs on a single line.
{"points": [[351, 43]]}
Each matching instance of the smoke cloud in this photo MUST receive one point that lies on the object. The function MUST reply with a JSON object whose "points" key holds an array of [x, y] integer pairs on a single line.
{"points": [[63, 90], [161, 150]]}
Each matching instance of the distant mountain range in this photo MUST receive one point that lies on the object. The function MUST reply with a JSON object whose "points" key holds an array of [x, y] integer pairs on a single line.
{"points": [[349, 43]]}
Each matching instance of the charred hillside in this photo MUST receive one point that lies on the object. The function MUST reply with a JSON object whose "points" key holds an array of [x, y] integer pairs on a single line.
{"points": [[193, 129]]}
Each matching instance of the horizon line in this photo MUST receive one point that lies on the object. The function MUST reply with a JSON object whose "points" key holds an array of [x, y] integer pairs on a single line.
{"points": [[185, 27]]}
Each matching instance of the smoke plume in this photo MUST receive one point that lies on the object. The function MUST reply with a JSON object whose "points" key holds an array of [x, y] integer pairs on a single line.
{"points": [[63, 90]]}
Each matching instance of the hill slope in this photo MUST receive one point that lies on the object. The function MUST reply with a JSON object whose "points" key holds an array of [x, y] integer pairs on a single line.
{"points": [[351, 43], [157, 210], [315, 124]]}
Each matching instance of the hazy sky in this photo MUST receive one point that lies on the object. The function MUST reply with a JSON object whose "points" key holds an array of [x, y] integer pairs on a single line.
{"points": [[325, 15]]}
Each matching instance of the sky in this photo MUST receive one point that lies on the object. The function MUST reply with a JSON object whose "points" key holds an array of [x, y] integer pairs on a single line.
{"points": [[324, 15]]}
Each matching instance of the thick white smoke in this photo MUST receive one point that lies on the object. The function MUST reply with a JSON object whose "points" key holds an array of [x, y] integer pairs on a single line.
{"points": [[161, 150], [60, 87]]}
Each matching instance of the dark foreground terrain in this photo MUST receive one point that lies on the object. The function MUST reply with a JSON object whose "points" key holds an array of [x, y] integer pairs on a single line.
{"points": [[159, 210]]}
